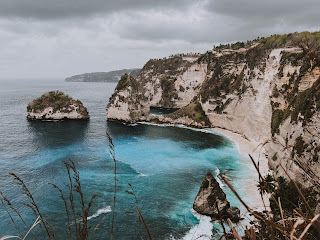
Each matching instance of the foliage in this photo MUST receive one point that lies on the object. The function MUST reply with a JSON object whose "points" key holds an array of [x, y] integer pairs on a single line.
{"points": [[278, 116], [306, 103], [193, 111], [168, 90], [58, 101], [290, 199], [299, 146], [236, 45], [292, 213], [200, 114], [126, 80]]}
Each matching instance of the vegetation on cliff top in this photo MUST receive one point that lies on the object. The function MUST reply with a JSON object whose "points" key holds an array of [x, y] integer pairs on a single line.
{"points": [[127, 80], [169, 66], [58, 101], [305, 40]]}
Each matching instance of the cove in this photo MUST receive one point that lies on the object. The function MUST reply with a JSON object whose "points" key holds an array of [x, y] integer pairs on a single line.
{"points": [[164, 164]]}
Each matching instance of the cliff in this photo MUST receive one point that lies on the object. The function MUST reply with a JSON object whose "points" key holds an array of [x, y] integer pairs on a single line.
{"points": [[56, 105], [266, 90], [112, 76]]}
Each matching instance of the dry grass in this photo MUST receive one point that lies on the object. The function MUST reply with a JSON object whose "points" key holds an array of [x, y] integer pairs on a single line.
{"points": [[81, 228], [295, 227], [138, 211]]}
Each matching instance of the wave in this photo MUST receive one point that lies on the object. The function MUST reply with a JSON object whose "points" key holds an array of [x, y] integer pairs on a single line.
{"points": [[143, 175], [201, 231], [204, 130], [100, 211], [217, 171]]}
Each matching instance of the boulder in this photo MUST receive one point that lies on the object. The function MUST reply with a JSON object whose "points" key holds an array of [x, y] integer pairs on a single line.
{"points": [[233, 213], [212, 201]]}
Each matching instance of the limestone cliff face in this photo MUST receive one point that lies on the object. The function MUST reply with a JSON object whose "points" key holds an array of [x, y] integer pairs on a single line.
{"points": [[169, 83], [268, 92], [55, 105]]}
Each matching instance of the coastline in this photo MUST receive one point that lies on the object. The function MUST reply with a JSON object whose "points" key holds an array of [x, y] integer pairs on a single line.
{"points": [[245, 147], [251, 196], [257, 151]]}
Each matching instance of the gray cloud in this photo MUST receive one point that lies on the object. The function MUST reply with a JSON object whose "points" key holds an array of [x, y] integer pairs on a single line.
{"points": [[269, 13], [57, 9], [65, 37]]}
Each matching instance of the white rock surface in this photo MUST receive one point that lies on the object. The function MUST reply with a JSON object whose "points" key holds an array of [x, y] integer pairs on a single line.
{"points": [[248, 114]]}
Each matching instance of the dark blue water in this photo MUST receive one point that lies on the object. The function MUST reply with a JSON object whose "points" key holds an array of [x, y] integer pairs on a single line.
{"points": [[165, 166]]}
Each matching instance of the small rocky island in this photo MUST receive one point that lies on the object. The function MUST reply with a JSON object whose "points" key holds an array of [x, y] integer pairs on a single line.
{"points": [[212, 201], [56, 105]]}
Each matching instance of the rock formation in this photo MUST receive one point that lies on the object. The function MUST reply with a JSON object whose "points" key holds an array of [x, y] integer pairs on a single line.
{"points": [[212, 201], [56, 105], [268, 91]]}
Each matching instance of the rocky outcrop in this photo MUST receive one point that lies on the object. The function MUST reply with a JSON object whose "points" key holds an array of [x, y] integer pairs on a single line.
{"points": [[212, 201], [170, 83], [268, 92], [56, 105]]}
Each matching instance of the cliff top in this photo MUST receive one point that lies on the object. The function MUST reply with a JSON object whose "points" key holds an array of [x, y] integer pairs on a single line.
{"points": [[304, 40]]}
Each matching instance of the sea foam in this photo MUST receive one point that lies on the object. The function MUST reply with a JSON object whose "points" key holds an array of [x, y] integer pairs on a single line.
{"points": [[100, 211]]}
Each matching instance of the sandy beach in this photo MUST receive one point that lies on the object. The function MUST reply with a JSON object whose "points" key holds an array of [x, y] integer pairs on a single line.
{"points": [[257, 151]]}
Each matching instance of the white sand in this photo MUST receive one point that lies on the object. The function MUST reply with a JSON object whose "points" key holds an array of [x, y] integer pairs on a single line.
{"points": [[257, 151]]}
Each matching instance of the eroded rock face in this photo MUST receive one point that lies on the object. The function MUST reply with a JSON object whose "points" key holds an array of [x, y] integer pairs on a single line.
{"points": [[212, 201], [268, 93], [56, 105]]}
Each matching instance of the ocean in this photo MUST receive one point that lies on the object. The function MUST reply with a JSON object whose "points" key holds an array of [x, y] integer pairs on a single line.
{"points": [[165, 166]]}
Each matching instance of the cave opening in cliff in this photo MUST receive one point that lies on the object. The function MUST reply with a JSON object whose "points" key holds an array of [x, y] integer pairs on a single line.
{"points": [[162, 110]]}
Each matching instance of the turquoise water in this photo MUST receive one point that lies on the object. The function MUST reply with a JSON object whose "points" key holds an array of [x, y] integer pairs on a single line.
{"points": [[165, 165]]}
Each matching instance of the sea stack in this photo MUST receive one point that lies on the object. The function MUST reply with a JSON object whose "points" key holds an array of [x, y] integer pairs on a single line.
{"points": [[212, 201], [56, 105]]}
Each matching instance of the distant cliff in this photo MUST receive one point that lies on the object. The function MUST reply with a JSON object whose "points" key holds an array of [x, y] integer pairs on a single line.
{"points": [[112, 76], [267, 90]]}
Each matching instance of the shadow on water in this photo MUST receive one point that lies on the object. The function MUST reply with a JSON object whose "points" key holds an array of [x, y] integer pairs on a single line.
{"points": [[60, 133], [195, 139]]}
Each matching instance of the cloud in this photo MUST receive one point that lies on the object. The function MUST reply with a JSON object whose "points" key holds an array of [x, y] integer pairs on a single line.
{"points": [[61, 38], [57, 9], [29, 49], [269, 17]]}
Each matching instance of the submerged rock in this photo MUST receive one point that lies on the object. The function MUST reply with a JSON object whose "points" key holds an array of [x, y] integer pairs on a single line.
{"points": [[212, 201], [56, 105]]}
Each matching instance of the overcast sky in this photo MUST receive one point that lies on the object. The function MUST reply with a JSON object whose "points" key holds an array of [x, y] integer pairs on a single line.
{"points": [[59, 38]]}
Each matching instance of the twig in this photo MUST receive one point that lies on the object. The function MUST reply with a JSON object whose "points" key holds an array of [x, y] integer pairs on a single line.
{"points": [[113, 155]]}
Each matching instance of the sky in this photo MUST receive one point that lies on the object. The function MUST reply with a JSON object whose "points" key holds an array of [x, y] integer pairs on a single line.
{"points": [[60, 38]]}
